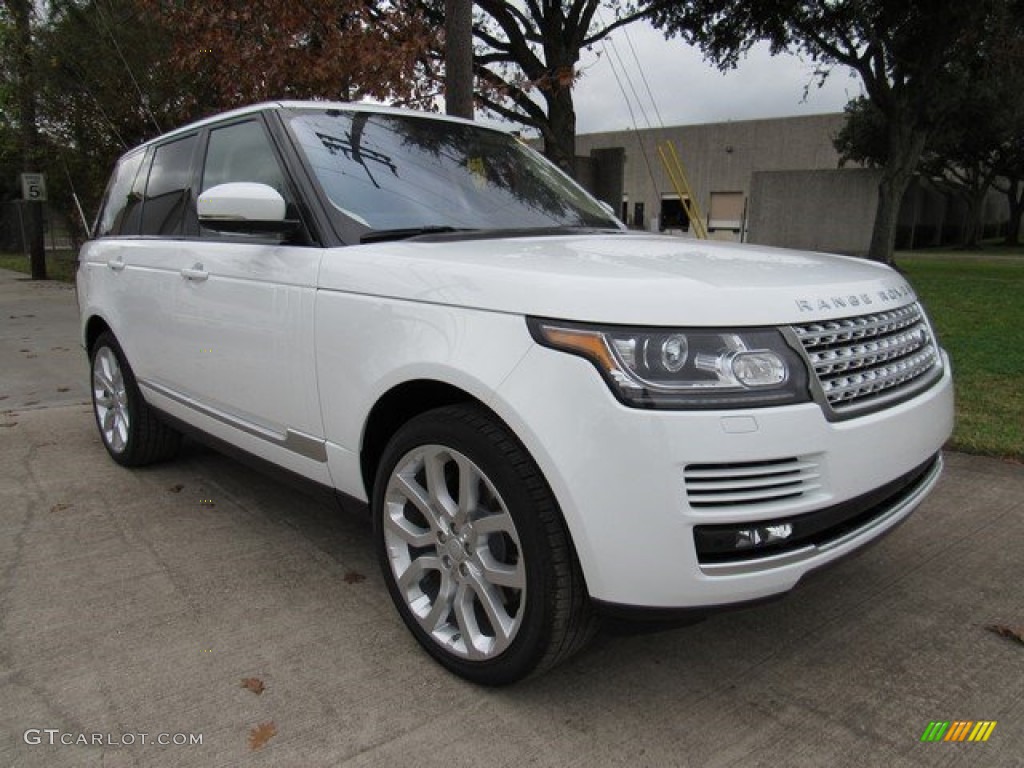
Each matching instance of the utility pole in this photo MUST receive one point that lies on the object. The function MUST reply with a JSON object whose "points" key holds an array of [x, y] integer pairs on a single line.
{"points": [[458, 55], [21, 10]]}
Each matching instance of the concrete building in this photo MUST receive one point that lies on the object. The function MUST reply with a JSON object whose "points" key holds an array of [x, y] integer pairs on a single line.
{"points": [[773, 181]]}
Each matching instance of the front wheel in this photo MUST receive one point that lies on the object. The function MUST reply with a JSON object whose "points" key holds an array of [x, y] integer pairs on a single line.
{"points": [[474, 549]]}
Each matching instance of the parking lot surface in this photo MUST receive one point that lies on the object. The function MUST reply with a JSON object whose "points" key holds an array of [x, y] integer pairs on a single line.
{"points": [[200, 598]]}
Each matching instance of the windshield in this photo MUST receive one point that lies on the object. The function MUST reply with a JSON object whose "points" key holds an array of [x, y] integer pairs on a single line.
{"points": [[395, 172]]}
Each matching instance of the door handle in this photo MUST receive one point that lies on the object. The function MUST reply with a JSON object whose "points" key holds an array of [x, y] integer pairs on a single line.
{"points": [[196, 274], [115, 264]]}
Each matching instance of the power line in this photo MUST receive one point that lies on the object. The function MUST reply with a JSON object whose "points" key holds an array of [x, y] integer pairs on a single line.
{"points": [[142, 98], [629, 107], [643, 77]]}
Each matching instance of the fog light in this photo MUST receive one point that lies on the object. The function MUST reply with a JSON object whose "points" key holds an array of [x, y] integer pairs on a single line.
{"points": [[762, 535]]}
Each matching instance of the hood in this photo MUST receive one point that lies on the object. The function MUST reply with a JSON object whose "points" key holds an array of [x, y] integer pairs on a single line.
{"points": [[637, 279]]}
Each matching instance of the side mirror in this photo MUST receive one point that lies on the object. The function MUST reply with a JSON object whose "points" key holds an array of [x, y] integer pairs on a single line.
{"points": [[244, 207]]}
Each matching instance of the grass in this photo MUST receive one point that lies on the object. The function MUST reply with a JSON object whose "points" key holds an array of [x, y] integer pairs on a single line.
{"points": [[60, 265], [976, 301]]}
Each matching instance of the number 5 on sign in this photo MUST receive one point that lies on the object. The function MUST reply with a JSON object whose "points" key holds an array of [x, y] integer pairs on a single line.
{"points": [[33, 187]]}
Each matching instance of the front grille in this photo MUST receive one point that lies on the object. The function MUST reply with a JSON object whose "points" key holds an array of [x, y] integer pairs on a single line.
{"points": [[749, 483], [870, 359]]}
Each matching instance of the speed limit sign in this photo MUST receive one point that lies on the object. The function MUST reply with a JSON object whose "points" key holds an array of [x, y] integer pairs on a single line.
{"points": [[33, 187]]}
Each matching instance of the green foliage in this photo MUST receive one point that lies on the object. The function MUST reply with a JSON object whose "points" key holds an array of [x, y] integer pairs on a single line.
{"points": [[863, 138], [974, 302]]}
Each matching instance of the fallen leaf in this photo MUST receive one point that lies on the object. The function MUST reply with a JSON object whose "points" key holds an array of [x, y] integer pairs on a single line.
{"points": [[176, 488], [353, 577], [60, 507], [261, 734], [1010, 633], [254, 684]]}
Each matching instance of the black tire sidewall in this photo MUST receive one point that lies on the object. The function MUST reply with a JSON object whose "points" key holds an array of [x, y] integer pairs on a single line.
{"points": [[522, 489]]}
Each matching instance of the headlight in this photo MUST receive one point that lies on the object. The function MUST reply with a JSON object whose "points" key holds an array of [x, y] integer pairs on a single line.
{"points": [[683, 368]]}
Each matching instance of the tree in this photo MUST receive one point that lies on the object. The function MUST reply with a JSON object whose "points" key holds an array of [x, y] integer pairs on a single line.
{"points": [[101, 89], [255, 50], [1010, 181], [526, 58], [907, 53], [975, 143], [21, 14]]}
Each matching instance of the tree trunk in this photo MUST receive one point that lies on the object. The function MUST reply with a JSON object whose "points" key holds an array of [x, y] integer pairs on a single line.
{"points": [[905, 145], [883, 236], [1015, 198], [458, 54], [560, 132], [972, 219], [21, 10]]}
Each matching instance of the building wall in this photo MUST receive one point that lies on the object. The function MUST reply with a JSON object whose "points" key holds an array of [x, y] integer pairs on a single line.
{"points": [[719, 157], [831, 211], [776, 181]]}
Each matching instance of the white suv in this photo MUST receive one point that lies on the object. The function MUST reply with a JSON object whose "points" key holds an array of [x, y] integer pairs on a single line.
{"points": [[550, 418]]}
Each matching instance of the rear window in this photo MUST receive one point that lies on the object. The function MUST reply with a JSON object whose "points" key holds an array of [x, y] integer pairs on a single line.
{"points": [[118, 195]]}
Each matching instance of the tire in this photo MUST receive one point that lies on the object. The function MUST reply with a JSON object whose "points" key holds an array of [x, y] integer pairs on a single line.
{"points": [[483, 573], [131, 432]]}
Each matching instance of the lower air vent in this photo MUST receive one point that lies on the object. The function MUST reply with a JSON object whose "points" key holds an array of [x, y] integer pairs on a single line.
{"points": [[750, 483]]}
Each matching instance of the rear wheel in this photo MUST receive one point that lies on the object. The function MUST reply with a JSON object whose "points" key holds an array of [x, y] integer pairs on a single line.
{"points": [[132, 434], [474, 549]]}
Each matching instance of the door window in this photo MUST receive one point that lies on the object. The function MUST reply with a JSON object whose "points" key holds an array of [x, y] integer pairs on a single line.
{"points": [[168, 191], [242, 152]]}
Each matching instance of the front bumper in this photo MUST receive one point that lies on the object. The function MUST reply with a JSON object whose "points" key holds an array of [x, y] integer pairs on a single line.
{"points": [[634, 485]]}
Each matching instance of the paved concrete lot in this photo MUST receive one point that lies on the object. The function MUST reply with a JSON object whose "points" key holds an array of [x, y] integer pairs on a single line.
{"points": [[136, 602]]}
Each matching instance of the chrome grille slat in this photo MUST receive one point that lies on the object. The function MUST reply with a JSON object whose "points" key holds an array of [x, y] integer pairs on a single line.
{"points": [[857, 358]]}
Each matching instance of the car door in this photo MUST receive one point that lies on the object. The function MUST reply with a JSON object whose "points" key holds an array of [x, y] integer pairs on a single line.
{"points": [[243, 320], [146, 259]]}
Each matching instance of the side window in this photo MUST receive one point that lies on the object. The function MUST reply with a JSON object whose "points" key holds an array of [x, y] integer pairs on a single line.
{"points": [[118, 197], [168, 188], [242, 152]]}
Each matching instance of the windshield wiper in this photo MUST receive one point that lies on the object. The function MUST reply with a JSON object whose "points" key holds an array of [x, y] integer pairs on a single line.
{"points": [[382, 235]]}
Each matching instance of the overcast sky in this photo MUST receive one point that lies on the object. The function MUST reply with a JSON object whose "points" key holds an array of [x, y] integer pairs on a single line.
{"points": [[688, 90]]}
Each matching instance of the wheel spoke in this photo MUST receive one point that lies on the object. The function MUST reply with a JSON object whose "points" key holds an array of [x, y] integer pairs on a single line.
{"points": [[466, 621], [469, 490], [491, 602], [496, 523], [108, 419], [437, 487], [501, 574], [411, 490], [121, 429], [409, 532], [442, 606], [418, 568]]}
